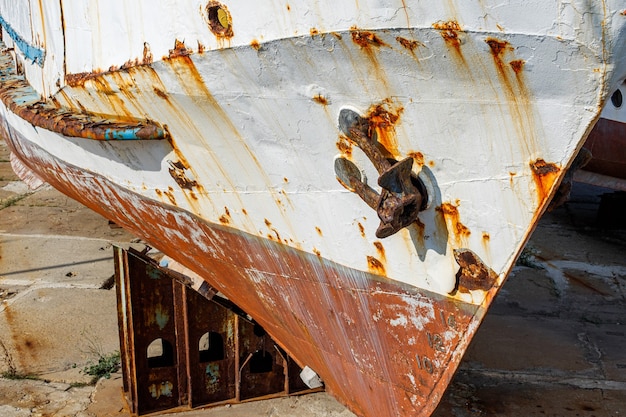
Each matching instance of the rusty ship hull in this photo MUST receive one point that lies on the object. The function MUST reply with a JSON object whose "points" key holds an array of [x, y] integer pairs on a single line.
{"points": [[607, 146], [358, 178]]}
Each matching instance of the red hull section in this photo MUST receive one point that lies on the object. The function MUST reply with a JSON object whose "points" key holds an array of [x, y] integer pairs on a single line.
{"points": [[607, 143], [381, 347]]}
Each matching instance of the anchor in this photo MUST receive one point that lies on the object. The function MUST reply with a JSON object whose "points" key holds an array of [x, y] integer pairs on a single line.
{"points": [[402, 195]]}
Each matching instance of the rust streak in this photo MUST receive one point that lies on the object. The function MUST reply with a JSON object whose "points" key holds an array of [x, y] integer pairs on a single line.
{"points": [[382, 121], [409, 44], [320, 99], [361, 229], [515, 89], [544, 175], [451, 215], [344, 145], [449, 31], [366, 40], [147, 55], [517, 65], [179, 50], [381, 251], [225, 218], [375, 266]]}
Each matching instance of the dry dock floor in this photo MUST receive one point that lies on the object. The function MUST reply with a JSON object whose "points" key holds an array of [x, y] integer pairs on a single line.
{"points": [[553, 344]]}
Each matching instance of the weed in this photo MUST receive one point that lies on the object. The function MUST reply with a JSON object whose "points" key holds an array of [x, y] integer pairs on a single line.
{"points": [[13, 200], [107, 364], [8, 360], [528, 258]]}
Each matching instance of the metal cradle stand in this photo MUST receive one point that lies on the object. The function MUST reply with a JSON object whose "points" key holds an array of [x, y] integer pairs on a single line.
{"points": [[180, 349]]}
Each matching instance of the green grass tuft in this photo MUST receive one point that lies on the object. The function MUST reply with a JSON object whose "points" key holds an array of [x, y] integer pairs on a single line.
{"points": [[107, 364]]}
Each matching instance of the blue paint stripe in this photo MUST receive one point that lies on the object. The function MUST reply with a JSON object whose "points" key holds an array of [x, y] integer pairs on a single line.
{"points": [[121, 134], [31, 52]]}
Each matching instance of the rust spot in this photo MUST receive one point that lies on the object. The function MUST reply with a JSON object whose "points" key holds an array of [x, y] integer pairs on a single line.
{"points": [[418, 157], [473, 274], [220, 20], [366, 39], [288, 8], [336, 35], [344, 145], [179, 49], [544, 175], [285, 179], [375, 266], [449, 31], [170, 195], [381, 118], [498, 47], [382, 123], [255, 44], [381, 250], [268, 223], [409, 44], [314, 31], [542, 168], [78, 79], [201, 48], [320, 99], [451, 214], [225, 218], [517, 65], [319, 231], [244, 211], [317, 252], [147, 55], [486, 237], [177, 171], [361, 229], [161, 93]]}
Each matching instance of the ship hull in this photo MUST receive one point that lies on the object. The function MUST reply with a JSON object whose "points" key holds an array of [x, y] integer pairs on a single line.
{"points": [[262, 165], [382, 347]]}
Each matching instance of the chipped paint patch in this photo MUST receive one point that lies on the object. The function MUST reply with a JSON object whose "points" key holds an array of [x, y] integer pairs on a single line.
{"points": [[163, 389]]}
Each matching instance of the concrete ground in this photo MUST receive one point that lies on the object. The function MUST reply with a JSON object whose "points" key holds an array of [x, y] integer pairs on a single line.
{"points": [[552, 344]]}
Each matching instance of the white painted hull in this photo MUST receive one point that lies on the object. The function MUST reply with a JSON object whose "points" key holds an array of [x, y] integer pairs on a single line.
{"points": [[491, 100]]}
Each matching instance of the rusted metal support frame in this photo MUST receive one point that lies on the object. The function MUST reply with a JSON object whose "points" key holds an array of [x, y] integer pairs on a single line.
{"points": [[249, 384]]}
